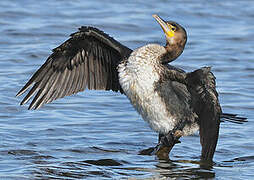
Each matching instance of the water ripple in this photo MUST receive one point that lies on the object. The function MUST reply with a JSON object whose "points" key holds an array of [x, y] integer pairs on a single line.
{"points": [[98, 135]]}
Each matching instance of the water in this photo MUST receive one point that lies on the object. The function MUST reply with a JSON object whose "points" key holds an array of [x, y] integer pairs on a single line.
{"points": [[96, 134]]}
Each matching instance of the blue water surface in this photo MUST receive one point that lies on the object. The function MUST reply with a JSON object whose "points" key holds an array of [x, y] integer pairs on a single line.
{"points": [[97, 134]]}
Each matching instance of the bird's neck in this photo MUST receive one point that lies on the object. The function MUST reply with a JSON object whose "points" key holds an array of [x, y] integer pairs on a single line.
{"points": [[173, 51]]}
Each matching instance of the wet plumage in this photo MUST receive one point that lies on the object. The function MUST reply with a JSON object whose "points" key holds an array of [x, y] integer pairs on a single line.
{"points": [[169, 99]]}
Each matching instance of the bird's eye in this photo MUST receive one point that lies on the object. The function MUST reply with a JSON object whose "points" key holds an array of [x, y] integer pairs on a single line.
{"points": [[173, 28]]}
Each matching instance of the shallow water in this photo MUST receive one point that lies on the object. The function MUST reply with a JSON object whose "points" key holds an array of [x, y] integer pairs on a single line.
{"points": [[96, 134]]}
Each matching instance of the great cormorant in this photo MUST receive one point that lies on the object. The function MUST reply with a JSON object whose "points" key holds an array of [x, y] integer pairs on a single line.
{"points": [[173, 102]]}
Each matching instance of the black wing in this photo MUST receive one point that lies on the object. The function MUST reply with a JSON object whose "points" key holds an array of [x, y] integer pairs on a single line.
{"points": [[202, 86], [87, 60]]}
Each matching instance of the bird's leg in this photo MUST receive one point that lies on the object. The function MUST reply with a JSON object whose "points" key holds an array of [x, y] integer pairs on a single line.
{"points": [[166, 143], [154, 150], [160, 136]]}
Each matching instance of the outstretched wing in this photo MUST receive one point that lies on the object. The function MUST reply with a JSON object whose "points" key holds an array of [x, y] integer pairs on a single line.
{"points": [[202, 86], [87, 60]]}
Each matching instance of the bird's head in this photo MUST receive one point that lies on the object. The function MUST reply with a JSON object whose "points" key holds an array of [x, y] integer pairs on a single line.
{"points": [[176, 36], [174, 32]]}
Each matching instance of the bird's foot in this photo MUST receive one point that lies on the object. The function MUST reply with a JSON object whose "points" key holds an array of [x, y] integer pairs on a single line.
{"points": [[178, 134], [148, 151], [166, 144]]}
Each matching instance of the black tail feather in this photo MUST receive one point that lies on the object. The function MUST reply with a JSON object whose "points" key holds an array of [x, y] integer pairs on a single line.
{"points": [[233, 118]]}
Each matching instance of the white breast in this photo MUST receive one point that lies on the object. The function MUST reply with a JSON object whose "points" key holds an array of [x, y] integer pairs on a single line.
{"points": [[137, 77]]}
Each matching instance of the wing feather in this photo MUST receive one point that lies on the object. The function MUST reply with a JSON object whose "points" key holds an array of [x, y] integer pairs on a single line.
{"points": [[43, 91], [63, 89], [202, 86], [88, 59], [51, 90]]}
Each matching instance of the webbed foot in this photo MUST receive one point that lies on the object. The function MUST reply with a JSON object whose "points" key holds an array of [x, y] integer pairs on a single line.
{"points": [[148, 151], [166, 144]]}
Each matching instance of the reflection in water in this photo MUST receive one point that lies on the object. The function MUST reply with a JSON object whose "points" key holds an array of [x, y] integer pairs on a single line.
{"points": [[163, 169], [184, 169]]}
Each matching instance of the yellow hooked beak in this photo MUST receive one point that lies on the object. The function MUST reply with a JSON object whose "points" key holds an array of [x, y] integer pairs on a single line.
{"points": [[166, 27]]}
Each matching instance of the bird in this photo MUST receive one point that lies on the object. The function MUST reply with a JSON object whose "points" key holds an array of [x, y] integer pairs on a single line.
{"points": [[173, 102]]}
